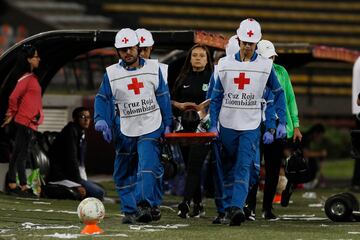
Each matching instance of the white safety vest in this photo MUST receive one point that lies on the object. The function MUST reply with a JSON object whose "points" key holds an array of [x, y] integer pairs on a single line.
{"points": [[216, 73], [356, 86], [134, 93], [164, 70], [244, 84]]}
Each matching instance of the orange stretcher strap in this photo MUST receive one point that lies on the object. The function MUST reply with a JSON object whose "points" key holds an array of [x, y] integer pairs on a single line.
{"points": [[191, 135], [190, 138]]}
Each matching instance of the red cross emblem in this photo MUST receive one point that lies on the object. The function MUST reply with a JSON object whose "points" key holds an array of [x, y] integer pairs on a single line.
{"points": [[135, 85], [142, 39], [250, 33], [125, 40], [241, 80]]}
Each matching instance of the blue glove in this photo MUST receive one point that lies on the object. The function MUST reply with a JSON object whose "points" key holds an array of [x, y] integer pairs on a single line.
{"points": [[214, 130], [107, 135], [281, 131], [102, 126], [268, 137], [167, 130]]}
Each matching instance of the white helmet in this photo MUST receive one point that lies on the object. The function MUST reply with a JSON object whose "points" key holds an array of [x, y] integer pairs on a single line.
{"points": [[249, 31], [126, 37], [145, 37], [232, 47], [266, 49]]}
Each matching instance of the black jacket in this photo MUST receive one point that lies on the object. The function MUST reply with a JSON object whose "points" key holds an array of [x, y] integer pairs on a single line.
{"points": [[67, 153]]}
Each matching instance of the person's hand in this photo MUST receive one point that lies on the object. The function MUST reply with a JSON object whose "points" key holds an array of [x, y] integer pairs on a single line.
{"points": [[268, 137], [281, 131], [214, 130], [102, 126], [82, 191], [297, 135], [167, 130], [107, 135], [7, 120], [187, 105]]}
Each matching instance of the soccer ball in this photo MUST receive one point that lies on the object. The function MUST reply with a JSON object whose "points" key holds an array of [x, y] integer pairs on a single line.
{"points": [[91, 210]]}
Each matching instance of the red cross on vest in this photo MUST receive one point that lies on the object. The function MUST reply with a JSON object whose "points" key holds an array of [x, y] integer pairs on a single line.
{"points": [[125, 40], [142, 39], [135, 85], [241, 80], [250, 33]]}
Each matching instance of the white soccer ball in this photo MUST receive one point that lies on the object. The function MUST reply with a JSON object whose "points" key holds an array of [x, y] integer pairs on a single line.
{"points": [[91, 210]]}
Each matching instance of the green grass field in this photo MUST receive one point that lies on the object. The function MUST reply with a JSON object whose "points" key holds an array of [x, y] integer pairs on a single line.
{"points": [[55, 219]]}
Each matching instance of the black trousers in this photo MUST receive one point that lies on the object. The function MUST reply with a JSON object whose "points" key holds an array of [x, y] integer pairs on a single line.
{"points": [[355, 181], [21, 154], [355, 142], [273, 155], [195, 161]]}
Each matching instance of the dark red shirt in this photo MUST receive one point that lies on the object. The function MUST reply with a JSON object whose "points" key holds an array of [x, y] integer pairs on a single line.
{"points": [[25, 105]]}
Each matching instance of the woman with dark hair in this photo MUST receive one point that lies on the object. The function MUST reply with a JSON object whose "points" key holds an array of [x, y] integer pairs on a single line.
{"points": [[192, 83], [25, 109], [188, 93]]}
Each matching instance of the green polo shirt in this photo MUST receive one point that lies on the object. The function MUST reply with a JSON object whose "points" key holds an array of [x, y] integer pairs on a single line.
{"points": [[292, 119]]}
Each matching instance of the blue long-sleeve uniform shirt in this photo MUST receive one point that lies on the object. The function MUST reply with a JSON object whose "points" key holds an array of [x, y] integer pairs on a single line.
{"points": [[270, 116], [104, 106], [217, 95]]}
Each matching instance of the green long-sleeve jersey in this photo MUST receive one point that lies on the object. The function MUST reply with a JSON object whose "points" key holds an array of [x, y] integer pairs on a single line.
{"points": [[292, 118]]}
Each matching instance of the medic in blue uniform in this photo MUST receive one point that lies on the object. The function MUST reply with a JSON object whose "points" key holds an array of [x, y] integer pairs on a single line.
{"points": [[136, 89], [237, 103]]}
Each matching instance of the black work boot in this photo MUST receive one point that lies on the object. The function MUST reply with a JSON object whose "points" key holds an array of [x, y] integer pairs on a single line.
{"points": [[155, 213], [237, 216], [219, 218], [129, 218], [144, 213]]}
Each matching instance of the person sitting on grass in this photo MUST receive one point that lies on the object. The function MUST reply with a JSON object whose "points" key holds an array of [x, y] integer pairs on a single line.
{"points": [[68, 152]]}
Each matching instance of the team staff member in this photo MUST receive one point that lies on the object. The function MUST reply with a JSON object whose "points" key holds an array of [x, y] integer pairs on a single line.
{"points": [[143, 104], [146, 43], [189, 92], [25, 109], [236, 102], [273, 153]]}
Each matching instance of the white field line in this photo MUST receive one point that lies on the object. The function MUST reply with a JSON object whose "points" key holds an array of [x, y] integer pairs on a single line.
{"points": [[50, 211], [155, 228], [29, 225]]}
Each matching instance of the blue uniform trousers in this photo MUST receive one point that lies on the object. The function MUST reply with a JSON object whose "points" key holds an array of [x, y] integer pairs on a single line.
{"points": [[149, 185], [216, 150], [241, 148], [138, 155]]}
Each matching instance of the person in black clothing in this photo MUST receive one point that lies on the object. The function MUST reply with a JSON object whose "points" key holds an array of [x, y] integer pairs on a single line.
{"points": [[189, 92], [67, 155], [313, 157], [355, 152]]}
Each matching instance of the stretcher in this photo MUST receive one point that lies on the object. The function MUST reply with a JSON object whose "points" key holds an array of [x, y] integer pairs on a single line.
{"points": [[190, 138]]}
